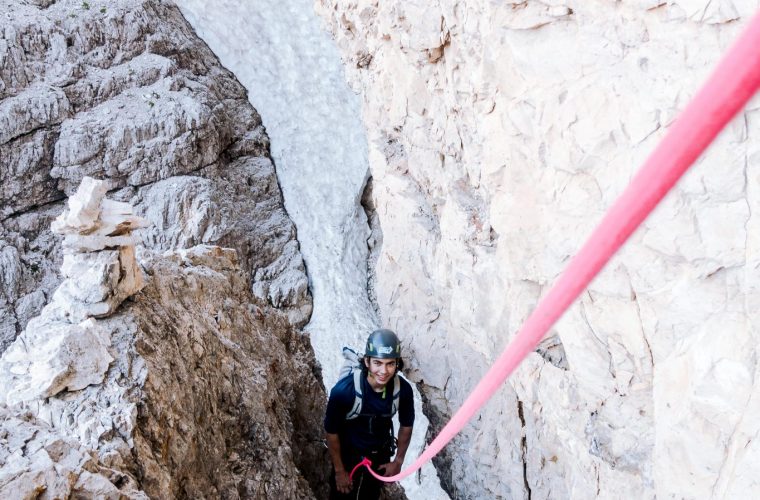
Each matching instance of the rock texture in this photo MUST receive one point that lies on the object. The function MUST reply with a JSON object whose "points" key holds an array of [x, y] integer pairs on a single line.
{"points": [[320, 147], [64, 348], [499, 134], [126, 92], [175, 368], [38, 462], [193, 388]]}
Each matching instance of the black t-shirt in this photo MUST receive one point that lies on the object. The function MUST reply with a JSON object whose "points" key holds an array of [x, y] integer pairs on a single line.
{"points": [[372, 429]]}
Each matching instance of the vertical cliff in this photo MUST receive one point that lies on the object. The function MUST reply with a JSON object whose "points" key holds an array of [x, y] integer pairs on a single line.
{"points": [[201, 382], [127, 92], [499, 133], [190, 388]]}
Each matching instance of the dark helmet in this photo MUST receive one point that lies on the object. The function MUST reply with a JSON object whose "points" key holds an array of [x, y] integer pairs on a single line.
{"points": [[383, 344]]}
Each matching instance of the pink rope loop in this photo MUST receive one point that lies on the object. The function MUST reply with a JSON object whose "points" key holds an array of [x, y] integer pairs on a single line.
{"points": [[365, 461], [732, 84]]}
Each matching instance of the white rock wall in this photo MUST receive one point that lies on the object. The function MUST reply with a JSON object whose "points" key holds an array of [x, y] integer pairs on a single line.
{"points": [[174, 393], [499, 133]]}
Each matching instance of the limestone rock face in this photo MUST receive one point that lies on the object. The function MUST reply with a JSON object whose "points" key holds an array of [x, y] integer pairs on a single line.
{"points": [[127, 93], [499, 134], [192, 388], [37, 462], [218, 356], [64, 348], [167, 362], [52, 356], [211, 393]]}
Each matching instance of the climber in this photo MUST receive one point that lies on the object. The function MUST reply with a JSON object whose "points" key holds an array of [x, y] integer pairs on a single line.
{"points": [[359, 422]]}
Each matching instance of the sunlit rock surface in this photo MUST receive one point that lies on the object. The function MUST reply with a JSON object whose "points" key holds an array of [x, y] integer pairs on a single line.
{"points": [[38, 462], [210, 393], [499, 133], [177, 367], [126, 92], [64, 348]]}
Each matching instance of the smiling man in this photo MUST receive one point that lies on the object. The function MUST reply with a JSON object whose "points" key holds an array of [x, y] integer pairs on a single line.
{"points": [[359, 419]]}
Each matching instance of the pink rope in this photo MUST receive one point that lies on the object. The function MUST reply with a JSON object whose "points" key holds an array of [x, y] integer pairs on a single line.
{"points": [[732, 84], [365, 461]]}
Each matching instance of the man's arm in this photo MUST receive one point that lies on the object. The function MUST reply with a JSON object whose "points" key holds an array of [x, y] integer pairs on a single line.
{"points": [[404, 437], [342, 481]]}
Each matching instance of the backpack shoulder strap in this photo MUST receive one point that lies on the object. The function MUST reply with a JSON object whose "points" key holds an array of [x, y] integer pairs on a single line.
{"points": [[396, 393], [356, 409]]}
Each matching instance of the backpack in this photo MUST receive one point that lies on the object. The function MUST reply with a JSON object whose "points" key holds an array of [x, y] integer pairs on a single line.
{"points": [[352, 367]]}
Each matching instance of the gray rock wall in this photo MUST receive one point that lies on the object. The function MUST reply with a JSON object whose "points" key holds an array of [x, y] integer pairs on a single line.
{"points": [[213, 389], [127, 92], [211, 393], [499, 133]]}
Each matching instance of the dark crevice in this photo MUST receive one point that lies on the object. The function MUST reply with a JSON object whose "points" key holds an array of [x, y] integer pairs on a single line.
{"points": [[46, 4], [47, 127], [437, 419], [524, 448], [61, 197], [50, 193], [374, 241]]}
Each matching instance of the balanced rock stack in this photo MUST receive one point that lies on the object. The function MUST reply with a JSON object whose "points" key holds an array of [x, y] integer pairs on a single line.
{"points": [[63, 348]]}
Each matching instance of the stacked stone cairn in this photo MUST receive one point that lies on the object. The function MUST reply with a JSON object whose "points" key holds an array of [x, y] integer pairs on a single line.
{"points": [[64, 348]]}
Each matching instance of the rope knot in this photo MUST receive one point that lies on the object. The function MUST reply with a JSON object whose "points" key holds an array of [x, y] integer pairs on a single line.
{"points": [[365, 461]]}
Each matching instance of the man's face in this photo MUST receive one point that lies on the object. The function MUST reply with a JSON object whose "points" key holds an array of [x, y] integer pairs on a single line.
{"points": [[382, 370]]}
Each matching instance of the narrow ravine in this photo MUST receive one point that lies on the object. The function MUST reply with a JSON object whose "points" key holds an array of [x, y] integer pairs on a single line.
{"points": [[294, 78]]}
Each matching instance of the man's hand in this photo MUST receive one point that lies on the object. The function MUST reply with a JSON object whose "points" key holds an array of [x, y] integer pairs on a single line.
{"points": [[390, 469], [342, 481]]}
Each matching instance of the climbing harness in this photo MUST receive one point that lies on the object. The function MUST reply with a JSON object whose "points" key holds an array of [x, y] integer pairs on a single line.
{"points": [[732, 84]]}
